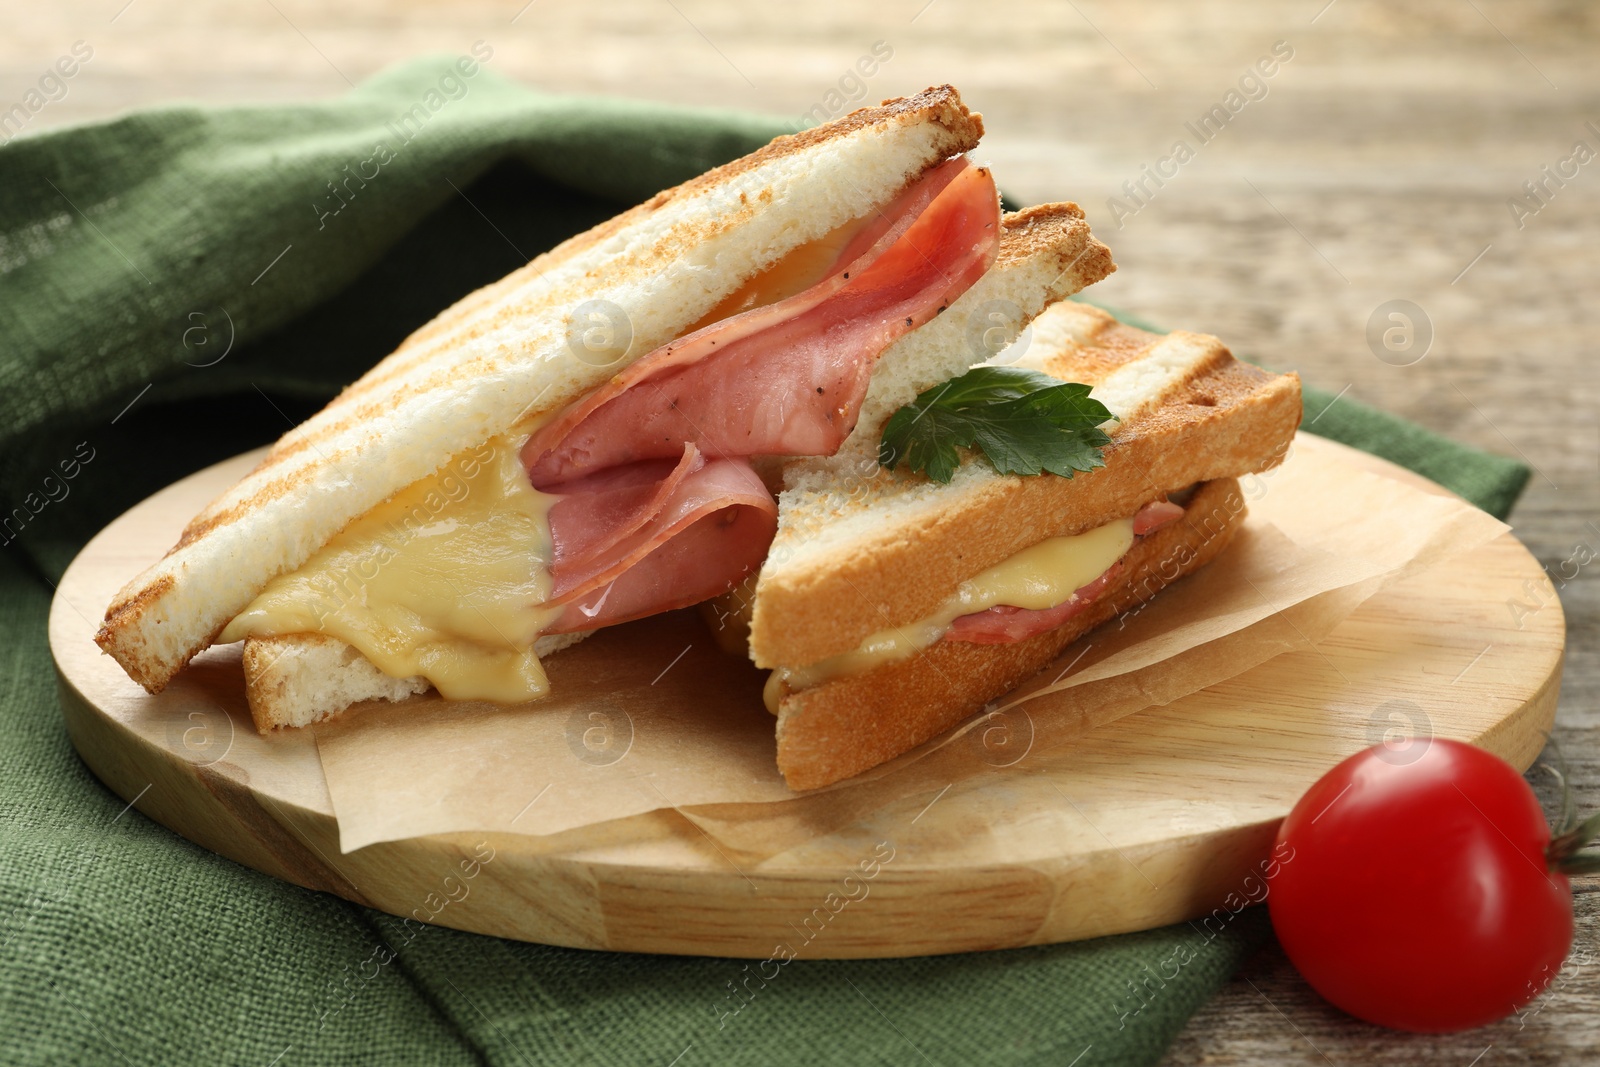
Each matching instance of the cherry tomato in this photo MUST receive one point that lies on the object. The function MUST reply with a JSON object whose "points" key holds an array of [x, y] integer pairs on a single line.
{"points": [[1417, 892]]}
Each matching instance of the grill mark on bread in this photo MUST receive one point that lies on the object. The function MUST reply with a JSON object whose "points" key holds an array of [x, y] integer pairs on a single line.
{"points": [[809, 607], [948, 112], [217, 514], [319, 428], [677, 244], [164, 621], [435, 335], [1054, 235], [1109, 348]]}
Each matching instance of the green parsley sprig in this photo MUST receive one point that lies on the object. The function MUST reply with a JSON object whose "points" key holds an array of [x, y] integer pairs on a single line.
{"points": [[1025, 422]]}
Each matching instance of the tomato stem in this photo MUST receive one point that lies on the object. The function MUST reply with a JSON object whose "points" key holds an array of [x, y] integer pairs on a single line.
{"points": [[1563, 853], [1569, 836]]}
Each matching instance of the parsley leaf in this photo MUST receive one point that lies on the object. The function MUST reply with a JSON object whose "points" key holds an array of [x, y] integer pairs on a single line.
{"points": [[1025, 422]]}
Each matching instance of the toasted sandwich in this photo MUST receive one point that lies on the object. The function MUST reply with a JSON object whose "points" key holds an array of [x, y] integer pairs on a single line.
{"points": [[598, 436], [892, 606]]}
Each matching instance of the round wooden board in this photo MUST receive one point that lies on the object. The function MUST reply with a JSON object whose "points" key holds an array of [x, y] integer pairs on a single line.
{"points": [[1171, 809]]}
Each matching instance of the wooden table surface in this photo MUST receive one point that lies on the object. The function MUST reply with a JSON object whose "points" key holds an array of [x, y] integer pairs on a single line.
{"points": [[1377, 166]]}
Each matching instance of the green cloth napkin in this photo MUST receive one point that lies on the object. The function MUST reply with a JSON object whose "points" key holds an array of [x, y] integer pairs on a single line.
{"points": [[181, 284]]}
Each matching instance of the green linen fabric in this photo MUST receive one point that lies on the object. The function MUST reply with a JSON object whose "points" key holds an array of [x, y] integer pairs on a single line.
{"points": [[183, 283]]}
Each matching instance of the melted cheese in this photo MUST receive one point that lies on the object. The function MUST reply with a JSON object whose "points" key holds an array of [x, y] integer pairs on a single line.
{"points": [[798, 270], [1039, 577], [728, 616], [446, 580]]}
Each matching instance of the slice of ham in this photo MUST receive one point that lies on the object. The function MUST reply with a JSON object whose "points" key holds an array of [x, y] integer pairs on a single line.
{"points": [[788, 378], [1005, 624], [658, 506], [1154, 515], [634, 540]]}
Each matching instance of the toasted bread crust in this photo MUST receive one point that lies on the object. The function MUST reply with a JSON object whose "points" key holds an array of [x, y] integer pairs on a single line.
{"points": [[1045, 252], [499, 355], [1033, 231], [300, 679], [940, 105], [840, 728], [1226, 418], [122, 617]]}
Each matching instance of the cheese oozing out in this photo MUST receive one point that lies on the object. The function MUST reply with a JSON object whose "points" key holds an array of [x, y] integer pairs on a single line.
{"points": [[447, 580], [798, 270], [1038, 577]]}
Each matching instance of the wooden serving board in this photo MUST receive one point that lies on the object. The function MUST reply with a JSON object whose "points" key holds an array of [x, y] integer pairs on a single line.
{"points": [[1160, 816]]}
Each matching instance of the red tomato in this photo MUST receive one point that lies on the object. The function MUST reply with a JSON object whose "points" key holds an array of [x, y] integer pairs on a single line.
{"points": [[1417, 893]]}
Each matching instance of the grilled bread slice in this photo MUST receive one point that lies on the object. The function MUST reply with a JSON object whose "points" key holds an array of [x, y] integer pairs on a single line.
{"points": [[300, 679], [844, 726], [860, 549], [1046, 253], [500, 356]]}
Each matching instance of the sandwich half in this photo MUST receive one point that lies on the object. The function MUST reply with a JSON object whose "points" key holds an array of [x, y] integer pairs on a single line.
{"points": [[597, 437], [892, 606]]}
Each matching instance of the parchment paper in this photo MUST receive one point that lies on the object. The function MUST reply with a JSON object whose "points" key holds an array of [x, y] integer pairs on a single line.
{"points": [[653, 716]]}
